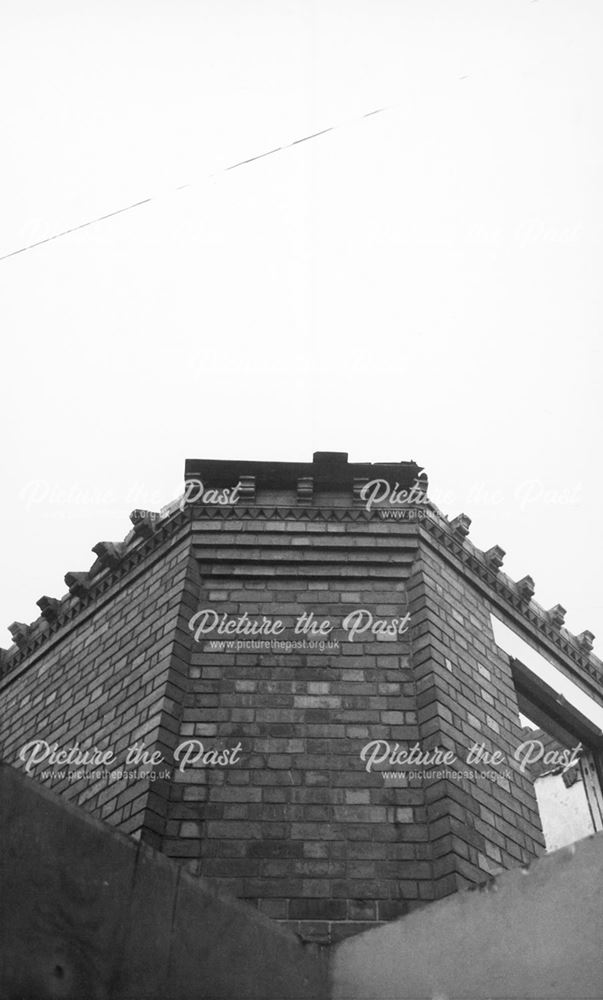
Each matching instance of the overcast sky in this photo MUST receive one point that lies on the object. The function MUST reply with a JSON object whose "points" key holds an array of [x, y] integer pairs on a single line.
{"points": [[422, 284]]}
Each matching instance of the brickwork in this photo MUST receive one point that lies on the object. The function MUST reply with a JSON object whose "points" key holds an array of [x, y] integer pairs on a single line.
{"points": [[299, 825], [107, 681], [465, 696]]}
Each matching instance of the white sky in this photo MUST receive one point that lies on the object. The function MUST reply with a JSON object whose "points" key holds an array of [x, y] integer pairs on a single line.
{"points": [[543, 667], [423, 284]]}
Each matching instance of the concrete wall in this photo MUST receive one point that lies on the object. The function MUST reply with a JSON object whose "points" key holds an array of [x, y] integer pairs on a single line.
{"points": [[88, 914], [530, 933]]}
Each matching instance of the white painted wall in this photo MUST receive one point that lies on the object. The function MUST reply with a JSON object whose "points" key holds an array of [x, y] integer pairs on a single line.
{"points": [[564, 812]]}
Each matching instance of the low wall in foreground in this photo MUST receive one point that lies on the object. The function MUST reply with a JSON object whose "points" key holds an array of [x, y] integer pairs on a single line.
{"points": [[87, 913], [534, 932]]}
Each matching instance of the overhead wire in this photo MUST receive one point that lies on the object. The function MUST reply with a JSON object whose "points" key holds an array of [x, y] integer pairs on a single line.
{"points": [[181, 187]]}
